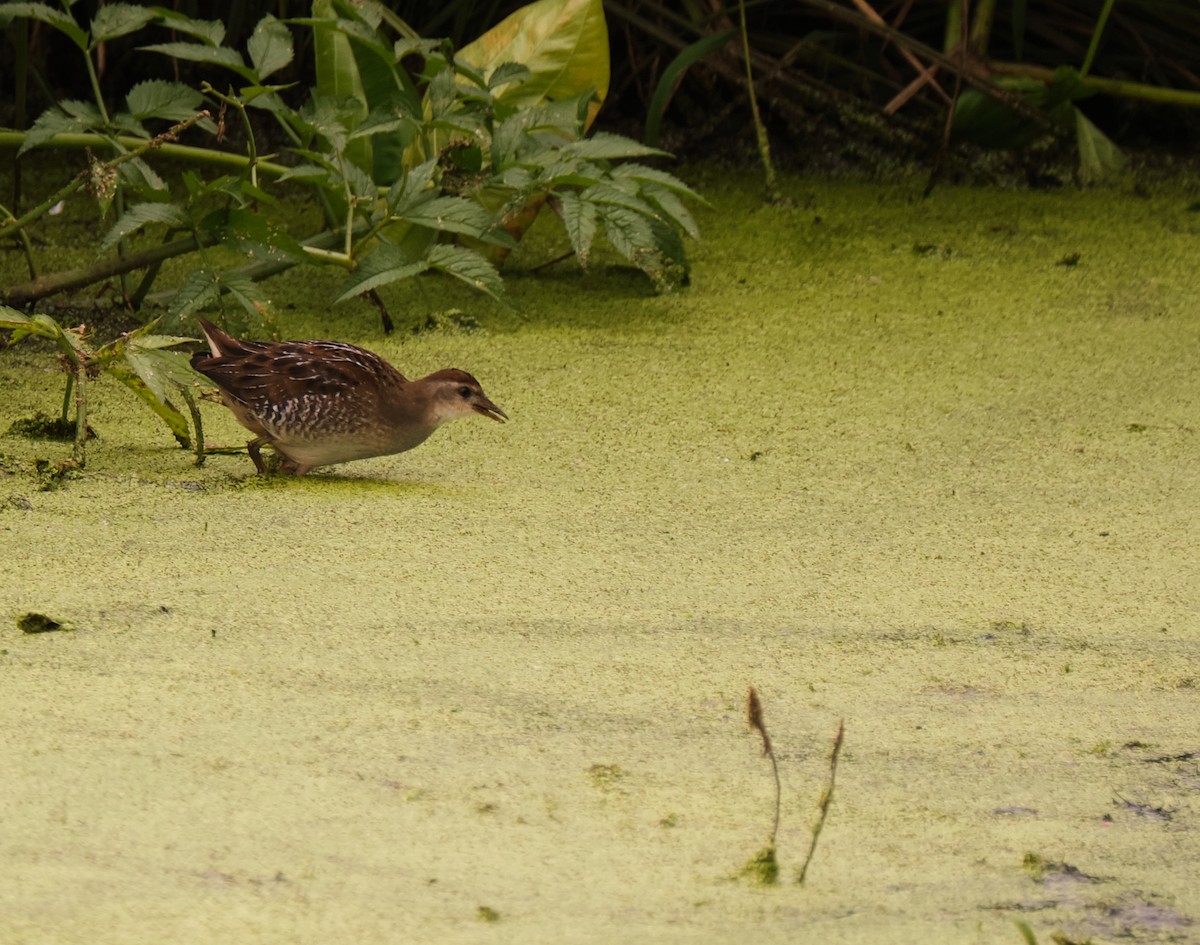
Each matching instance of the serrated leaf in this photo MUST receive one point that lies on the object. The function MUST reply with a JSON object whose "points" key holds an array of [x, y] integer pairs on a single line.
{"points": [[212, 32], [467, 266], [604, 146], [412, 188], [142, 215], [157, 98], [213, 55], [648, 243], [270, 46], [60, 20], [161, 370], [139, 175], [672, 209], [609, 192], [52, 122], [198, 290], [508, 73], [117, 19], [457, 215], [385, 264], [579, 218], [652, 175], [247, 293], [331, 117], [136, 383], [253, 236]]}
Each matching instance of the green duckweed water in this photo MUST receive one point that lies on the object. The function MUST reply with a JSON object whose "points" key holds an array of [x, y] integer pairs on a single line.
{"points": [[886, 460]]}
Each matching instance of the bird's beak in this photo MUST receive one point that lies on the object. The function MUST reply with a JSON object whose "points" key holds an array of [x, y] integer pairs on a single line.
{"points": [[490, 410]]}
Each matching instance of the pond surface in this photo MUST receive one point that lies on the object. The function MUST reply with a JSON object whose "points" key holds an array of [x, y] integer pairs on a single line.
{"points": [[927, 467]]}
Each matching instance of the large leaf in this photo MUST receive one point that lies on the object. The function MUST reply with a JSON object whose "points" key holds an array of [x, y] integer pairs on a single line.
{"points": [[605, 146], [384, 264], [469, 267], [137, 384], [59, 19], [68, 117], [142, 215], [270, 46], [253, 236], [198, 52], [117, 19], [563, 44], [210, 32], [457, 215], [157, 98], [579, 218]]}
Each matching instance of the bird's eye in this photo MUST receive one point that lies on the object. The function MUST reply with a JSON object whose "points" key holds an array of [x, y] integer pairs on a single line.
{"points": [[465, 392]]}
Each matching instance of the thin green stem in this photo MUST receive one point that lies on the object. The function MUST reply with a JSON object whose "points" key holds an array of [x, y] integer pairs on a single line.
{"points": [[183, 152], [1097, 33], [95, 81], [760, 130]]}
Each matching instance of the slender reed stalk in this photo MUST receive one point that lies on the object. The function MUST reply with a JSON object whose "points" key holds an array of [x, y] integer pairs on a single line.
{"points": [[823, 804]]}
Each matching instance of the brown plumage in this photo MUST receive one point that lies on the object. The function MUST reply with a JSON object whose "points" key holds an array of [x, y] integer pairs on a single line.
{"points": [[324, 402]]}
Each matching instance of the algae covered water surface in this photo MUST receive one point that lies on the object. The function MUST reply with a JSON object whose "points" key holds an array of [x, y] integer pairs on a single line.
{"points": [[927, 467]]}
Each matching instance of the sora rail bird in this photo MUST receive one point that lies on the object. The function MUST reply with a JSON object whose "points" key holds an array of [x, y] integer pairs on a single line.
{"points": [[323, 402]]}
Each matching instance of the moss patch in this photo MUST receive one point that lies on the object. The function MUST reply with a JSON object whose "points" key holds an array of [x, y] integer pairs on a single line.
{"points": [[907, 489]]}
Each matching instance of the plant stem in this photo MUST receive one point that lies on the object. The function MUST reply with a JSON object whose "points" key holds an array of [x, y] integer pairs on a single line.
{"points": [[184, 152], [1098, 32], [764, 143], [1121, 87], [826, 800]]}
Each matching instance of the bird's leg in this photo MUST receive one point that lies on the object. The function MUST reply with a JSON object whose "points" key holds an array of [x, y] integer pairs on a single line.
{"points": [[253, 449]]}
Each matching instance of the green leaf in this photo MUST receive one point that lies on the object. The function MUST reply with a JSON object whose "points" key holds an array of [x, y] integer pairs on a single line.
{"points": [[60, 20], [142, 215], [457, 215], [80, 116], [467, 266], [157, 98], [139, 175], [253, 236], [644, 174], [161, 370], [1099, 158], [270, 46], [606, 192], [579, 218], [338, 76], [671, 209], [199, 289], [246, 292], [133, 380], [508, 73], [385, 264], [671, 75], [213, 55], [117, 19], [210, 32], [412, 188], [604, 146], [563, 44], [648, 243]]}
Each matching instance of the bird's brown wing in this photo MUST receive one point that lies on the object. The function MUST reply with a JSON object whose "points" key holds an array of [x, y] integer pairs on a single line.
{"points": [[262, 374]]}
